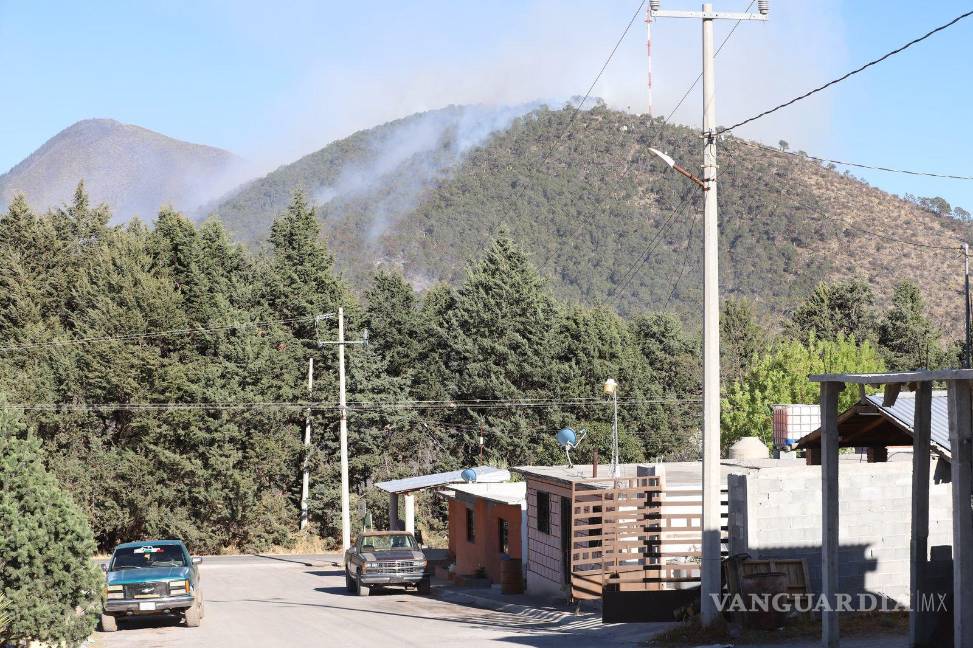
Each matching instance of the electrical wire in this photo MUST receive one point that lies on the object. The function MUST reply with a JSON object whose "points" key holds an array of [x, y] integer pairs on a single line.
{"points": [[161, 333], [685, 262], [864, 230], [849, 74], [333, 406], [587, 95], [857, 164], [634, 269]]}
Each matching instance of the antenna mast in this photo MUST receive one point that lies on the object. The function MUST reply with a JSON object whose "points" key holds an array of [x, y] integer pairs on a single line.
{"points": [[648, 48]]}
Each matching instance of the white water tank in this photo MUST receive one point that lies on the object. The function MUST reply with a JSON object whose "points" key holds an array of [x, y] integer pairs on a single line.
{"points": [[749, 448]]}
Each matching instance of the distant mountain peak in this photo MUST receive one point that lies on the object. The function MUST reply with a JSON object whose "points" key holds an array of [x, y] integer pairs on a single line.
{"points": [[133, 169]]}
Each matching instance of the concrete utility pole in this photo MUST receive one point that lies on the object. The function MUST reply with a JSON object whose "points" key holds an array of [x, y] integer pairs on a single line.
{"points": [[710, 568], [968, 348], [343, 432], [343, 427], [307, 445]]}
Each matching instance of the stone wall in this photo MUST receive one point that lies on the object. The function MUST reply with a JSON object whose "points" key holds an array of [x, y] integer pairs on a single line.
{"points": [[776, 513]]}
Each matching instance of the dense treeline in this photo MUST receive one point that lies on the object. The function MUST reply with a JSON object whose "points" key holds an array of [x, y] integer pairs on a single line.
{"points": [[164, 371]]}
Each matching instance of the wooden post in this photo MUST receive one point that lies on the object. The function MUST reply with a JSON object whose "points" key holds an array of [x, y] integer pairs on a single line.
{"points": [[961, 449], [919, 556], [829, 510]]}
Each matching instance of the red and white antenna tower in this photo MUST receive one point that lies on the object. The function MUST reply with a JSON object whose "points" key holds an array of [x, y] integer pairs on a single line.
{"points": [[648, 48]]}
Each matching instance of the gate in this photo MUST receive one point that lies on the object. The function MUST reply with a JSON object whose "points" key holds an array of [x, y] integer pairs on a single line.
{"points": [[634, 534]]}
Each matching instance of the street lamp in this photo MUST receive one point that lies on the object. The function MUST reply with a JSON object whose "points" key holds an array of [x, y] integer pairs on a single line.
{"points": [[611, 389]]}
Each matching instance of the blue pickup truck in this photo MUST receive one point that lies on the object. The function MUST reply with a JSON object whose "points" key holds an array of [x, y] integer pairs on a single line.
{"points": [[151, 577]]}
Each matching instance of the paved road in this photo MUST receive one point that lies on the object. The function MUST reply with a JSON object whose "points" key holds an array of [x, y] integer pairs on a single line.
{"points": [[301, 601]]}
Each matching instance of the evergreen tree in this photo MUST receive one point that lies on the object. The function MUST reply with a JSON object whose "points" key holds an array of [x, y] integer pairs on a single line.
{"points": [[908, 339], [740, 338], [841, 308], [500, 347], [46, 573], [392, 318]]}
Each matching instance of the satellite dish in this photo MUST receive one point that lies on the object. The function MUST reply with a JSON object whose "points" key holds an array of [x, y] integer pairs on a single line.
{"points": [[468, 475], [569, 439]]}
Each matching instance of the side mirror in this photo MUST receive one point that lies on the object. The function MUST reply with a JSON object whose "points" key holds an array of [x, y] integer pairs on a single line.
{"points": [[104, 567], [418, 535], [197, 560]]}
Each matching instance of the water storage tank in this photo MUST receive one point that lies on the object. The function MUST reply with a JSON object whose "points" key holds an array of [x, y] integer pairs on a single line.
{"points": [[749, 448], [792, 422]]}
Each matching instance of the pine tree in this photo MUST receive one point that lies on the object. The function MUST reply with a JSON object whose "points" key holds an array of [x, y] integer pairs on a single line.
{"points": [[392, 318], [46, 573], [908, 339], [740, 338], [841, 308], [501, 346]]}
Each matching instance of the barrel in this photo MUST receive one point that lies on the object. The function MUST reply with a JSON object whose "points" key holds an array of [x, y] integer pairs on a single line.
{"points": [[511, 576]]}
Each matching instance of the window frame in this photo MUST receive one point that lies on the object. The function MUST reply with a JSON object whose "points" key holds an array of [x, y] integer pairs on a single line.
{"points": [[503, 535], [470, 525], [544, 512]]}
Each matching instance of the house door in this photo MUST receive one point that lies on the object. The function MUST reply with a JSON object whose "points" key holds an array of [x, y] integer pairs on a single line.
{"points": [[566, 538]]}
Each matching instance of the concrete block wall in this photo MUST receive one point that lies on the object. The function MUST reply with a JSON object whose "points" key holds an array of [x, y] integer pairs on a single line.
{"points": [[545, 572], [776, 512]]}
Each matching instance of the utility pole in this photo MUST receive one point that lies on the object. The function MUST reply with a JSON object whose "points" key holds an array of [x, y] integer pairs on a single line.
{"points": [[343, 427], [307, 445], [710, 568], [968, 348], [343, 432]]}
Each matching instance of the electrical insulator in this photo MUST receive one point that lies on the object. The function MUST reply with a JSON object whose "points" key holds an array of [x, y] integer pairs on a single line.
{"points": [[655, 4], [763, 6]]}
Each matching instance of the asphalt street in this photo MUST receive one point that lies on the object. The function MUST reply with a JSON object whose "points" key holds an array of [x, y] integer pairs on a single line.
{"points": [[271, 601]]}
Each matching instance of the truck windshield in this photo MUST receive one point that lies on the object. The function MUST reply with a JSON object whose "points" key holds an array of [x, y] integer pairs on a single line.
{"points": [[385, 542], [148, 556]]}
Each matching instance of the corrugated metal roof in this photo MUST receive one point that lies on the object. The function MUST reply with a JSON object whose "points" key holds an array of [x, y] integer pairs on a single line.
{"points": [[904, 412], [483, 474]]}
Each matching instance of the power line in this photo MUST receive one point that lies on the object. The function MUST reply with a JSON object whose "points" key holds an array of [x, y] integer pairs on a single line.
{"points": [[864, 230], [577, 109], [634, 269], [329, 406], [685, 262], [857, 164], [849, 74], [161, 333]]}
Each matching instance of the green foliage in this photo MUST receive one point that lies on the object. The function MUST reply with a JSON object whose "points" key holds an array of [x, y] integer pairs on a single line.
{"points": [[780, 376], [50, 587], [841, 308], [740, 338], [909, 340]]}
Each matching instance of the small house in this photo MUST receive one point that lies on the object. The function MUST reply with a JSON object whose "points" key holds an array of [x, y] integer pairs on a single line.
{"points": [[487, 524]]}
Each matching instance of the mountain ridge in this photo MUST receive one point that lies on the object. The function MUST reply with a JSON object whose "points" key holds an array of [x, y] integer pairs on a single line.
{"points": [[133, 169], [588, 201]]}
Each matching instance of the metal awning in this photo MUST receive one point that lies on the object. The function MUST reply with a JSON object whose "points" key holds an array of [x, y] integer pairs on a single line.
{"points": [[484, 474]]}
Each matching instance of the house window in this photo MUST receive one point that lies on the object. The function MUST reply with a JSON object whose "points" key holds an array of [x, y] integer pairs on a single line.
{"points": [[543, 512], [470, 526], [503, 533]]}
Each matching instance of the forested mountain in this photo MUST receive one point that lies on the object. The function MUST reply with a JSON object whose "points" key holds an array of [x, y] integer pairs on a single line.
{"points": [[134, 170], [589, 202]]}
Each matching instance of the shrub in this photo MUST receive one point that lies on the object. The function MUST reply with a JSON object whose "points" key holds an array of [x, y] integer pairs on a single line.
{"points": [[52, 588]]}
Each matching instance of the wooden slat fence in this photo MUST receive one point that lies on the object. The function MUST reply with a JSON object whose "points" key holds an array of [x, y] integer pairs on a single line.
{"points": [[634, 534]]}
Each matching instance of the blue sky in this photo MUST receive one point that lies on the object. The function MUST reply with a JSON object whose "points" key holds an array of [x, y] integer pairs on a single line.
{"points": [[272, 81]]}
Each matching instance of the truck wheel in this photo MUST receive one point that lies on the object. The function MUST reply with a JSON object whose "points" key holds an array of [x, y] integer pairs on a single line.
{"points": [[424, 586], [360, 589], [194, 615], [350, 585], [108, 623]]}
